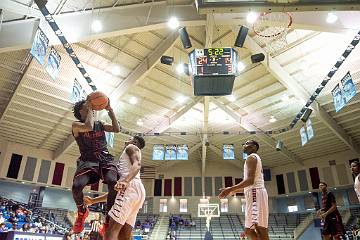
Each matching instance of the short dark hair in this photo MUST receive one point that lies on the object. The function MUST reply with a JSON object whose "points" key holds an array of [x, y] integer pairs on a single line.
{"points": [[141, 141], [76, 109], [256, 144], [323, 183], [356, 162]]}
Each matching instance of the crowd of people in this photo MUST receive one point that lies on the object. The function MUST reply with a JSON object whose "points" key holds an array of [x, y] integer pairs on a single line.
{"points": [[14, 216], [176, 222]]}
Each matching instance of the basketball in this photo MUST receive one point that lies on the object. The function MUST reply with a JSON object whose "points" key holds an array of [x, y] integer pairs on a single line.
{"points": [[98, 100]]}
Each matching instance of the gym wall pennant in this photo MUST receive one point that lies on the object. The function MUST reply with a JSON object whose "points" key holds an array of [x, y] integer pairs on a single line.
{"points": [[53, 63], [39, 46]]}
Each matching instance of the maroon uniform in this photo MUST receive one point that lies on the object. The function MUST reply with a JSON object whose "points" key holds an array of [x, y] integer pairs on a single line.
{"points": [[95, 156], [333, 222]]}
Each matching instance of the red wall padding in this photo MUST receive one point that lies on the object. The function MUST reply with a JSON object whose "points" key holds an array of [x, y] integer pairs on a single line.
{"points": [[157, 187], [228, 181], [58, 173], [177, 186], [14, 167], [167, 187], [315, 179]]}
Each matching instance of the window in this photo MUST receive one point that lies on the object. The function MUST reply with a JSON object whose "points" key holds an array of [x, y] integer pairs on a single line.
{"points": [[145, 207], [163, 205], [293, 208], [243, 205], [183, 205], [224, 205], [204, 201]]}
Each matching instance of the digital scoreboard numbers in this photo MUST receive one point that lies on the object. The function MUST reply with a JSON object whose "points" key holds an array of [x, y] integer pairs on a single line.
{"points": [[213, 61]]}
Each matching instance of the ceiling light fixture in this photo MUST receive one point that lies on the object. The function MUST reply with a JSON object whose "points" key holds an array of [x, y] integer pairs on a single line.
{"points": [[173, 23], [240, 66], [96, 26], [115, 70], [133, 100], [331, 18], [231, 98], [140, 122], [285, 98], [272, 119], [180, 68], [181, 99], [251, 17]]}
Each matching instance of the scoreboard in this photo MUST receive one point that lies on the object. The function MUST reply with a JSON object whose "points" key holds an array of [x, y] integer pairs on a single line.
{"points": [[213, 61]]}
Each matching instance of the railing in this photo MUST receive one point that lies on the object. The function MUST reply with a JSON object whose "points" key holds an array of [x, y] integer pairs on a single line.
{"points": [[303, 226]]}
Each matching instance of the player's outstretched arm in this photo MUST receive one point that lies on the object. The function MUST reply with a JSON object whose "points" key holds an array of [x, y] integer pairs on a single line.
{"points": [[114, 127]]}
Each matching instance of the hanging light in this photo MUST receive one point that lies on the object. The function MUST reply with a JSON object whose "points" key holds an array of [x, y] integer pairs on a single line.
{"points": [[96, 26], [140, 122], [272, 119], [173, 23]]}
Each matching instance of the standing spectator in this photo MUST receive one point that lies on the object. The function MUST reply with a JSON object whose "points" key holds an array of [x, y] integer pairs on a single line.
{"points": [[3, 228], [2, 219]]}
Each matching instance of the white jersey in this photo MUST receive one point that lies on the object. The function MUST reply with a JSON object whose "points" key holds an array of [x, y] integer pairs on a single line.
{"points": [[357, 187], [259, 178], [124, 165]]}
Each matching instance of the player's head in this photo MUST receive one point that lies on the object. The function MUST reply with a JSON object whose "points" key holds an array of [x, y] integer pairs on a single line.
{"points": [[137, 141], [355, 167], [80, 110], [323, 186], [251, 146]]}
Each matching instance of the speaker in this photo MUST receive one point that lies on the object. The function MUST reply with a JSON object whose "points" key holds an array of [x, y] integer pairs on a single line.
{"points": [[184, 36], [259, 57], [213, 85], [306, 114], [167, 60], [279, 145], [240, 39]]}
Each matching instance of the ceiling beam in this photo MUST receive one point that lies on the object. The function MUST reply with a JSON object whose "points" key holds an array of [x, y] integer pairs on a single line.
{"points": [[116, 21], [28, 61], [262, 136], [134, 77], [19, 8], [299, 91], [166, 123]]}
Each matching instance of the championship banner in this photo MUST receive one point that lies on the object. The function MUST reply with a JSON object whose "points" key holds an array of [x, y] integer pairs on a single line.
{"points": [[53, 63], [228, 152], [309, 129], [110, 139], [170, 152], [349, 88], [303, 135], [39, 46], [338, 98], [77, 92], [182, 152], [158, 152]]}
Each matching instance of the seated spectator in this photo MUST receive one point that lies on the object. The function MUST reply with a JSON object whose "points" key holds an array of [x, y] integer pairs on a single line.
{"points": [[12, 218], [3, 228], [26, 227], [2, 219], [13, 227]]}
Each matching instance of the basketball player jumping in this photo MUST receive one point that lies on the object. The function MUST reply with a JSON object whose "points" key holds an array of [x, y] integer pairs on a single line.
{"points": [[355, 169], [131, 192], [95, 161], [257, 209]]}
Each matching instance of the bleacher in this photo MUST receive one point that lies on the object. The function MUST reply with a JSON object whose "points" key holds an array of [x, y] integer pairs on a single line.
{"points": [[143, 218], [229, 226]]}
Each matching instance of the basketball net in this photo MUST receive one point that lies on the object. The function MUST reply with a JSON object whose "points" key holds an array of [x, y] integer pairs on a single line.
{"points": [[271, 29]]}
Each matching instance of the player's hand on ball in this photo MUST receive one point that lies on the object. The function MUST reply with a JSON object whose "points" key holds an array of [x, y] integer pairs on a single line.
{"points": [[121, 186], [88, 201], [108, 107], [224, 192]]}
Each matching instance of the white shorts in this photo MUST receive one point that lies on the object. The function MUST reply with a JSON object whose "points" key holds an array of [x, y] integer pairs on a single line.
{"points": [[128, 203], [257, 208]]}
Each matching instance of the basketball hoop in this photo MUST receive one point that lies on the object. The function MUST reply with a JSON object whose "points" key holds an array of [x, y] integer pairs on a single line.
{"points": [[208, 211], [272, 29]]}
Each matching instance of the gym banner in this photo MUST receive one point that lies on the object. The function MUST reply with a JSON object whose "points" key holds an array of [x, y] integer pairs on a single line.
{"points": [[53, 63], [110, 139], [77, 92], [303, 135], [309, 129], [349, 88], [182, 152], [158, 152], [170, 152], [39, 46], [338, 98], [228, 152]]}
